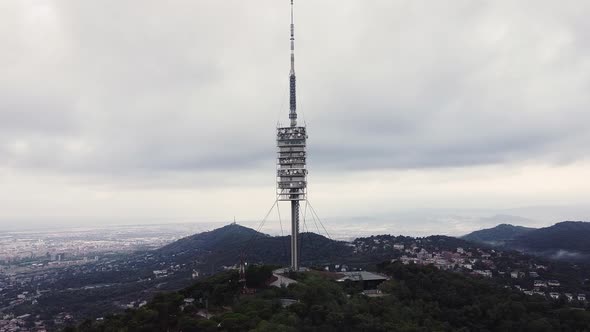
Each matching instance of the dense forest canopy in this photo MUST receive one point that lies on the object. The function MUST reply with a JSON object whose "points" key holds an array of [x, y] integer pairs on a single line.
{"points": [[416, 298]]}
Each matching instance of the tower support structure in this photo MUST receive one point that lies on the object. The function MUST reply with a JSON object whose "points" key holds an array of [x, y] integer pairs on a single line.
{"points": [[292, 178]]}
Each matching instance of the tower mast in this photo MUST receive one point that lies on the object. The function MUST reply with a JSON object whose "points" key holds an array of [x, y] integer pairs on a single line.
{"points": [[291, 170], [292, 79]]}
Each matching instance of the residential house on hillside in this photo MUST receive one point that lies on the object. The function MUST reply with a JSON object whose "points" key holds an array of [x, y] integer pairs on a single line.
{"points": [[369, 280]]}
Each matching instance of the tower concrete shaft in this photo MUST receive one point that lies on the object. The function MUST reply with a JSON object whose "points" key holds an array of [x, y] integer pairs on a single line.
{"points": [[295, 235]]}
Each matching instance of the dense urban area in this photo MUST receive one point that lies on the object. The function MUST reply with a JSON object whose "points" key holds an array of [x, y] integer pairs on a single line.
{"points": [[32, 264]]}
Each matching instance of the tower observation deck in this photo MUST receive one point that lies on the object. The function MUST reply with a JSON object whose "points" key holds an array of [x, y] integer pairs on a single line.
{"points": [[291, 158]]}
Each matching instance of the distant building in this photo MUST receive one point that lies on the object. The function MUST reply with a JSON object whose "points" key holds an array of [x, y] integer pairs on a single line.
{"points": [[369, 280], [423, 254], [287, 302], [160, 273], [280, 281], [373, 293], [443, 264], [485, 273]]}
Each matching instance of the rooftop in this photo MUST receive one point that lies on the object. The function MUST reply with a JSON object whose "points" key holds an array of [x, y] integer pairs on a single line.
{"points": [[361, 275]]}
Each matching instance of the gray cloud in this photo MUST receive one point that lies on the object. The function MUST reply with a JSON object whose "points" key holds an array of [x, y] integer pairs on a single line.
{"points": [[121, 88]]}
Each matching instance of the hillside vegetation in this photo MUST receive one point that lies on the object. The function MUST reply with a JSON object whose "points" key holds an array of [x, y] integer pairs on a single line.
{"points": [[223, 246], [417, 298], [566, 240], [497, 235], [567, 235]]}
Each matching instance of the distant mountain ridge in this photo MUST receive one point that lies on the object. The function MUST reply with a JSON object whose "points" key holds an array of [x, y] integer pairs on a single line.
{"points": [[498, 235], [568, 240], [567, 235]]}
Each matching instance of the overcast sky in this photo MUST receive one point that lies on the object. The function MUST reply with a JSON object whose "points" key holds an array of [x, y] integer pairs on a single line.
{"points": [[424, 116]]}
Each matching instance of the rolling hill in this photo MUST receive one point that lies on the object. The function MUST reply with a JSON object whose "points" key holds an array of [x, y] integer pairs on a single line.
{"points": [[566, 240], [498, 235], [225, 245]]}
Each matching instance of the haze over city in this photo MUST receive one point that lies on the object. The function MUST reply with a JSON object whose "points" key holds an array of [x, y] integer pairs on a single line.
{"points": [[423, 118]]}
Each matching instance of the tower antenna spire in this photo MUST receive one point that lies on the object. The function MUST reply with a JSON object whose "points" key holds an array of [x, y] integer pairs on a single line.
{"points": [[292, 79]]}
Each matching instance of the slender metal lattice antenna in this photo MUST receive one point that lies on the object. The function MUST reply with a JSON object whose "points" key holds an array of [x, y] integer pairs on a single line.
{"points": [[292, 79]]}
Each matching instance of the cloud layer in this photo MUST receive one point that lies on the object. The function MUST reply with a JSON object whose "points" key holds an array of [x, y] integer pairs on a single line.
{"points": [[186, 94]]}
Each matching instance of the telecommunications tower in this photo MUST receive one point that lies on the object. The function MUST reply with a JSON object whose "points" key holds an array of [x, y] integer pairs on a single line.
{"points": [[291, 157]]}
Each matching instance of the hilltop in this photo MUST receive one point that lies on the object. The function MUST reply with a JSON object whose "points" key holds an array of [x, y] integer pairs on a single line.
{"points": [[566, 240], [498, 235], [224, 247], [231, 234]]}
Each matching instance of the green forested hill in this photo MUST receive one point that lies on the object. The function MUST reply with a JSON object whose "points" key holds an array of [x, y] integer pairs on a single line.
{"points": [[497, 235], [223, 246], [568, 235], [567, 241], [417, 298]]}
